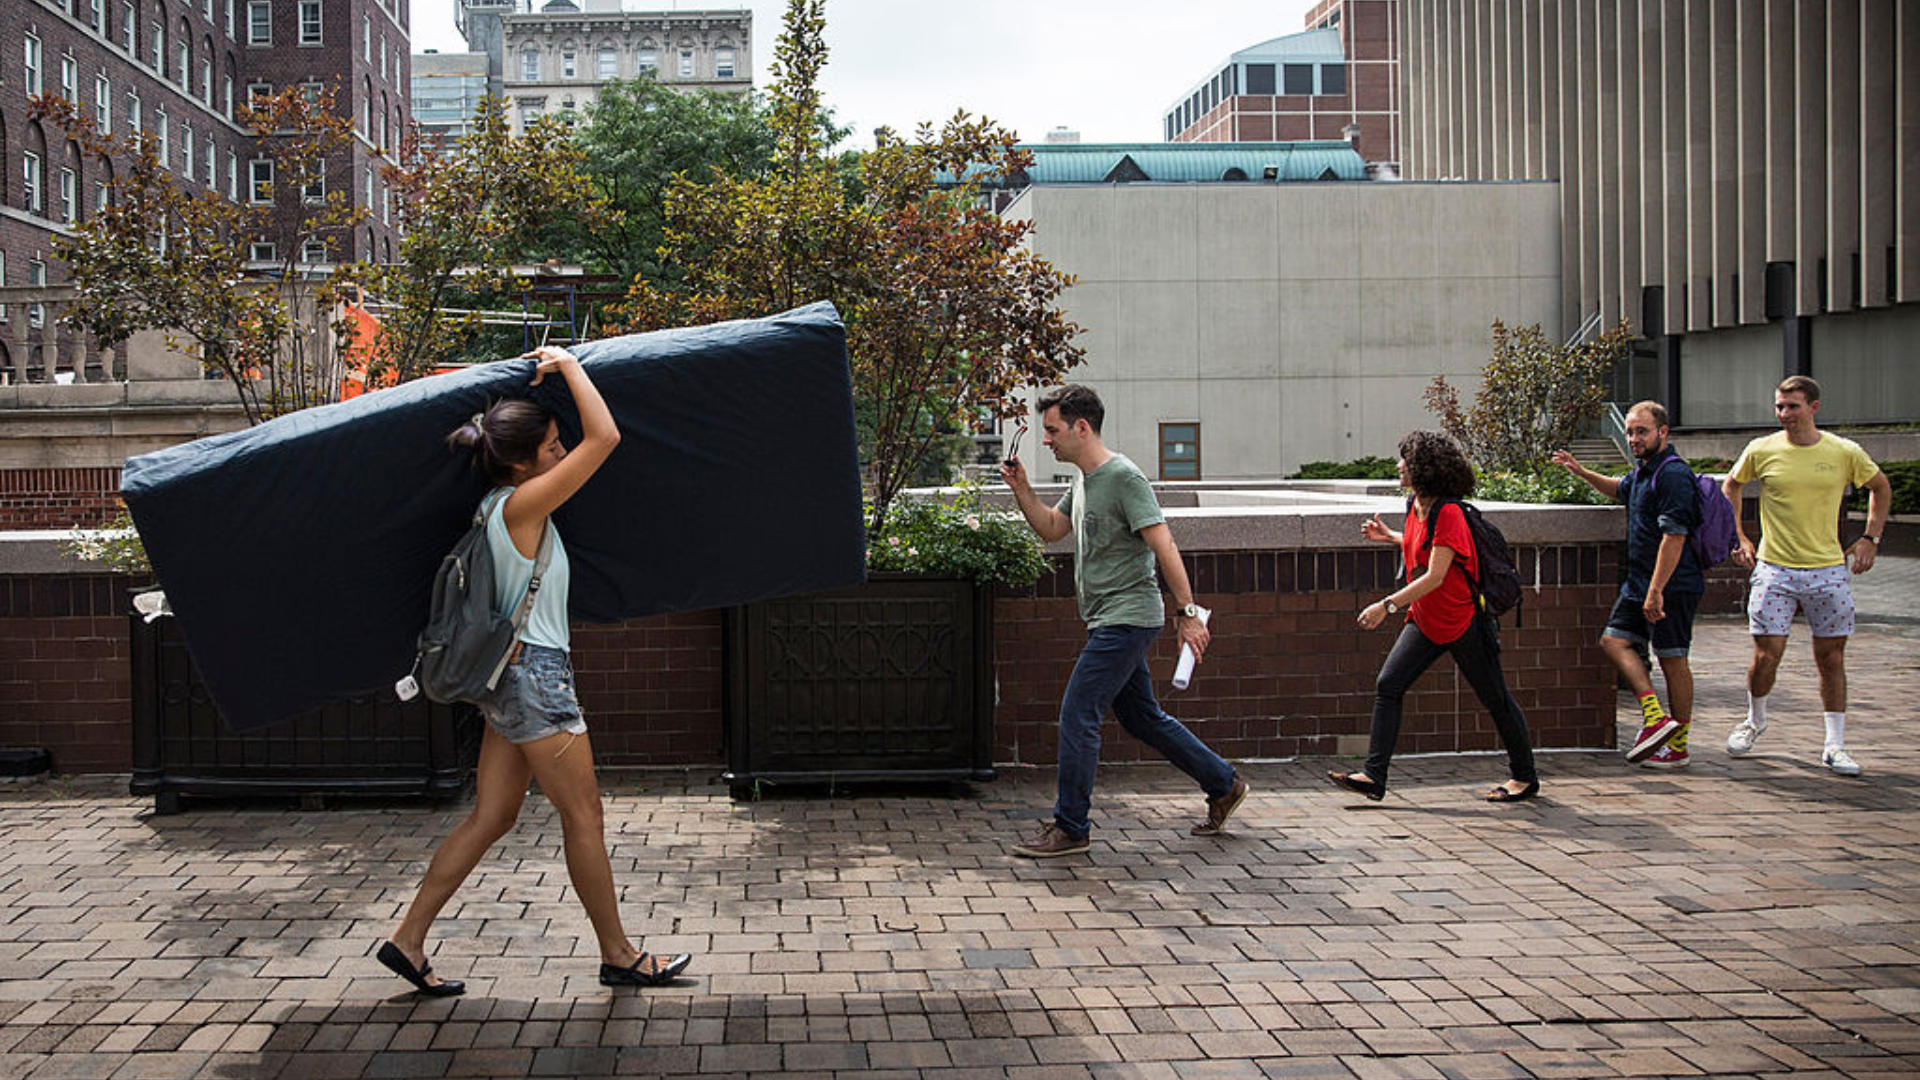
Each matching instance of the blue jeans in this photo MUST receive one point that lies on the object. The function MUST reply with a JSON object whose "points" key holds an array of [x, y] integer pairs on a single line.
{"points": [[1113, 671]]}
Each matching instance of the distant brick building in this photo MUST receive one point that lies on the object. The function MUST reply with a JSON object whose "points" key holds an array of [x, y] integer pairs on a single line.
{"points": [[1337, 80], [179, 71]]}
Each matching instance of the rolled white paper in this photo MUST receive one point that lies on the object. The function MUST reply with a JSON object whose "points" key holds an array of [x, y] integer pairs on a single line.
{"points": [[1183, 671]]}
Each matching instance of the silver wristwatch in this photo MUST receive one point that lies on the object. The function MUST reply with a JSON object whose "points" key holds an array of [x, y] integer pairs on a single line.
{"points": [[1191, 611]]}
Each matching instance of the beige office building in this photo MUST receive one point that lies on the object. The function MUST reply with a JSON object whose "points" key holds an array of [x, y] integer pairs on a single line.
{"points": [[1737, 179]]}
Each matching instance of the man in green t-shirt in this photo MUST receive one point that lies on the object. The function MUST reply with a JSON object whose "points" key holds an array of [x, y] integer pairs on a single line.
{"points": [[1118, 534]]}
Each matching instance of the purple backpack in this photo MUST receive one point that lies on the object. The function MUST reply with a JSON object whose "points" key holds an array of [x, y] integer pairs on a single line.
{"points": [[1714, 539]]}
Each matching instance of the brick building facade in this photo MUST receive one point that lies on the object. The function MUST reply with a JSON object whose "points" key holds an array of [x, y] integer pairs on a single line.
{"points": [[180, 72], [1337, 80]]}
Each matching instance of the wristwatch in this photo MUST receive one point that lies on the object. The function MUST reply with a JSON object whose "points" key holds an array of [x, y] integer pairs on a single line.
{"points": [[1872, 539], [1191, 611], [1392, 608]]}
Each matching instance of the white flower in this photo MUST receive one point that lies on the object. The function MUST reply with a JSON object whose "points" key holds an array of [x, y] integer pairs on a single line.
{"points": [[911, 551], [893, 541], [972, 521]]}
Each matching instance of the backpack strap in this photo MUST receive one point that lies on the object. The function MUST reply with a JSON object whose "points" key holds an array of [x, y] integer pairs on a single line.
{"points": [[1433, 522], [525, 609]]}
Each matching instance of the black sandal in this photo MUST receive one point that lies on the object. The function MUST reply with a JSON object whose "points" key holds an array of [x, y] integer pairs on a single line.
{"points": [[612, 975], [1503, 793], [1371, 788], [397, 962]]}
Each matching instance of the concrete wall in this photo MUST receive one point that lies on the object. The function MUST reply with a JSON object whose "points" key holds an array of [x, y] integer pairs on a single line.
{"points": [[1295, 322]]}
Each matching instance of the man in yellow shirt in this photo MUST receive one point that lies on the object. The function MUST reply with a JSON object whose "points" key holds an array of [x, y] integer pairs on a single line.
{"points": [[1799, 565]]}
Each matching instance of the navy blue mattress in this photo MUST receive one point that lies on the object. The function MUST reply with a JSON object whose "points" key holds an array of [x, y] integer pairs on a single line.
{"points": [[298, 554]]}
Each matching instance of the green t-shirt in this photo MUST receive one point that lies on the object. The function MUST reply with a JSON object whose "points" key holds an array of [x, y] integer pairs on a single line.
{"points": [[1112, 565]]}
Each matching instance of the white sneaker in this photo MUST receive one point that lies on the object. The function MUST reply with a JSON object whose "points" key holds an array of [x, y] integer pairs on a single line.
{"points": [[1743, 737], [1837, 759]]}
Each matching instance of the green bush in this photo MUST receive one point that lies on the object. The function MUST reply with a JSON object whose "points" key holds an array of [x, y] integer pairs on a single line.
{"points": [[1905, 478], [1537, 484], [959, 537], [1718, 465], [1366, 468]]}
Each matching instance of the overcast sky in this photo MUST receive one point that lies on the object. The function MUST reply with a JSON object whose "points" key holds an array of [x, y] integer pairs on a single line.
{"points": [[1108, 69]]}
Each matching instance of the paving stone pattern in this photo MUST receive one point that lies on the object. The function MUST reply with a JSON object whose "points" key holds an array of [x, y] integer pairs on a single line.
{"points": [[1742, 918]]}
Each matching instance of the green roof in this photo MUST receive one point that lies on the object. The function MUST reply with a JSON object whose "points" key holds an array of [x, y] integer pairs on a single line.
{"points": [[1187, 163]]}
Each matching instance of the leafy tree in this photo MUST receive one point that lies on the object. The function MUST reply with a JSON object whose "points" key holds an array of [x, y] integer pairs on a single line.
{"points": [[947, 312], [1535, 396], [638, 137], [467, 212], [166, 254]]}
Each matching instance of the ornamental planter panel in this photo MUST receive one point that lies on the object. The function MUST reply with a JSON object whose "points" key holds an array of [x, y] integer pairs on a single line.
{"points": [[365, 745], [891, 680]]}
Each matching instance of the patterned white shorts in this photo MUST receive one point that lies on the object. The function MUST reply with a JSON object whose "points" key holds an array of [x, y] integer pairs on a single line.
{"points": [[1825, 593]]}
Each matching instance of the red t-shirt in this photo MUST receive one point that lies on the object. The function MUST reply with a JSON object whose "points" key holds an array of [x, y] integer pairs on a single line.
{"points": [[1446, 612]]}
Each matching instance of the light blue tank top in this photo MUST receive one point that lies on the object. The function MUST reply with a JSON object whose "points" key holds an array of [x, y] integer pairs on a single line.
{"points": [[512, 571]]}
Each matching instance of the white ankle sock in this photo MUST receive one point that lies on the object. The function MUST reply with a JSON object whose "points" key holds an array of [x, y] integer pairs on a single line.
{"points": [[1757, 711], [1836, 728]]}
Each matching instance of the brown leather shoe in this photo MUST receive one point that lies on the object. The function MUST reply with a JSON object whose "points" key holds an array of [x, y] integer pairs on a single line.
{"points": [[1051, 843], [1222, 808]]}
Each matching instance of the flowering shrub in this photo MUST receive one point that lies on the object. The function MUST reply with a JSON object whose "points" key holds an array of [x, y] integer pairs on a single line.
{"points": [[1540, 484], [959, 537], [117, 543]]}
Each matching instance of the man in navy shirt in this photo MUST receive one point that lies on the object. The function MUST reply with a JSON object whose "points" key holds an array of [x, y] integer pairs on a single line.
{"points": [[1663, 583]]}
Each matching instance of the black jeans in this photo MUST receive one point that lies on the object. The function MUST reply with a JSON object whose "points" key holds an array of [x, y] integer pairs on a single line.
{"points": [[1477, 654]]}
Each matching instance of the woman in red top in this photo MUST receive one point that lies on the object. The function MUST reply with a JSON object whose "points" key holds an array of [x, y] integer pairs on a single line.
{"points": [[1443, 616]]}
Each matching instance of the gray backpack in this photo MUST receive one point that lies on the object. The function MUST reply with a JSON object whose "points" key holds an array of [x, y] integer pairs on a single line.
{"points": [[465, 646]]}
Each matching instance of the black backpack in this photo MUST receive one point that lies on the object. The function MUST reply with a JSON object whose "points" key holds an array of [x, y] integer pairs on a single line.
{"points": [[466, 646], [1498, 585]]}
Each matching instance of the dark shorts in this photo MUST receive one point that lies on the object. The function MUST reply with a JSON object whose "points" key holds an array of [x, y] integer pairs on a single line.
{"points": [[535, 697], [1671, 636]]}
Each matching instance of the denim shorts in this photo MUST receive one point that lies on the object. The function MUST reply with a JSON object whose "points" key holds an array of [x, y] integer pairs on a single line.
{"points": [[535, 697], [1670, 637]]}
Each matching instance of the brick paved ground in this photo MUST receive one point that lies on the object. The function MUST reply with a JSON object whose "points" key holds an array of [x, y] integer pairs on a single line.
{"points": [[1749, 917]]}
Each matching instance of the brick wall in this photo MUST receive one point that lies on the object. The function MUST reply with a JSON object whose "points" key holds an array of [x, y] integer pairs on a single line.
{"points": [[58, 498], [1288, 672]]}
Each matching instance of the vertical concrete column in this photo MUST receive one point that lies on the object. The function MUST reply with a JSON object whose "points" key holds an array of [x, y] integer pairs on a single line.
{"points": [[17, 342], [1639, 91], [1842, 157], [1879, 136], [1810, 153], [1751, 158], [1906, 239], [1781, 124], [1606, 142], [1696, 241], [1724, 38]]}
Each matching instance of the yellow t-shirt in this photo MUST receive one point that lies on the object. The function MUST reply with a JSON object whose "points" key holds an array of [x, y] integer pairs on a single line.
{"points": [[1800, 495]]}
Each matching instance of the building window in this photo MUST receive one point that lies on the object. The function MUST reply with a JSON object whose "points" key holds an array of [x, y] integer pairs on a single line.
{"points": [[530, 66], [69, 78], [649, 61], [1180, 451], [259, 95], [260, 180], [566, 64], [226, 94], [103, 104], [32, 70], [129, 25], [686, 63], [230, 4], [166, 140], [97, 15], [723, 63], [184, 53], [233, 177], [206, 80], [186, 149], [315, 188], [259, 22], [369, 202], [309, 22], [1259, 78], [208, 157], [1296, 78], [101, 195], [31, 191], [133, 112], [3, 281], [607, 65], [1333, 78], [206, 9], [36, 275], [69, 196], [263, 251], [159, 47], [366, 38], [383, 54], [313, 251]]}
